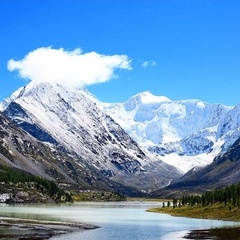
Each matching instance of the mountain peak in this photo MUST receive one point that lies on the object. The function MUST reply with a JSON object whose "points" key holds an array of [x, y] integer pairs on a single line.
{"points": [[144, 98], [148, 97], [46, 91]]}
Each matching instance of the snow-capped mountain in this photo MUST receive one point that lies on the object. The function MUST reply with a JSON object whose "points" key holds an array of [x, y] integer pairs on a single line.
{"points": [[20, 150], [186, 133], [71, 120]]}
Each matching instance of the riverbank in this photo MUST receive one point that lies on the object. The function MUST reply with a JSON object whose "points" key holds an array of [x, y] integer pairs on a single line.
{"points": [[14, 228], [216, 212]]}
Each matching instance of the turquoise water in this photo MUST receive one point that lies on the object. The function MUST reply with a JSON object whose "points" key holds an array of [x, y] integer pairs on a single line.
{"points": [[118, 221]]}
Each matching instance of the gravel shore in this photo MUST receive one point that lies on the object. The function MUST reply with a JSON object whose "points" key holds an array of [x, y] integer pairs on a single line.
{"points": [[19, 229]]}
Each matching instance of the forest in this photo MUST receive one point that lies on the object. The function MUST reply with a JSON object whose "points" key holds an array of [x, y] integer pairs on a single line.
{"points": [[223, 196]]}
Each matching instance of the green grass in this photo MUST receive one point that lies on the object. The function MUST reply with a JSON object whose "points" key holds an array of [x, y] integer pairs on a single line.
{"points": [[210, 212]]}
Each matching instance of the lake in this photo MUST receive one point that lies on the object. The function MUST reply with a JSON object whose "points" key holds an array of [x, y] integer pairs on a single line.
{"points": [[118, 220]]}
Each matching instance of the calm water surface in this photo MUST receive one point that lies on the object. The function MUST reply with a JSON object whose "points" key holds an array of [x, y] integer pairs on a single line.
{"points": [[118, 221]]}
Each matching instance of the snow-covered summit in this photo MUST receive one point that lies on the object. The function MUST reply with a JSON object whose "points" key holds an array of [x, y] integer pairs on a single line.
{"points": [[144, 98], [148, 97], [185, 133]]}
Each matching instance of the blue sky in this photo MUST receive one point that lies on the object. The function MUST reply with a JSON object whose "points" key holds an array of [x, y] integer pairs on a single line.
{"points": [[181, 49]]}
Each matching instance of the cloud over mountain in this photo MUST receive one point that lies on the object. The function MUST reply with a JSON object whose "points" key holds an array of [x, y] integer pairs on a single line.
{"points": [[73, 68]]}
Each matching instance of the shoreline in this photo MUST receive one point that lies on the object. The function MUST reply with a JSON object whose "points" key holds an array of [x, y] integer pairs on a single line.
{"points": [[16, 228], [213, 213]]}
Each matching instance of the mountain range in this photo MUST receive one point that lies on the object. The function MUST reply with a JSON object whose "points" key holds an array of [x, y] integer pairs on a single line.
{"points": [[139, 146], [70, 121]]}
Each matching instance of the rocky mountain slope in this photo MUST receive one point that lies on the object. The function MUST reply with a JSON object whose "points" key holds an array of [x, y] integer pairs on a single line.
{"points": [[69, 124], [186, 134], [20, 150]]}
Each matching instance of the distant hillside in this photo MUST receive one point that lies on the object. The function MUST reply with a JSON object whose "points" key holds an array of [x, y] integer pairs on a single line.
{"points": [[223, 171]]}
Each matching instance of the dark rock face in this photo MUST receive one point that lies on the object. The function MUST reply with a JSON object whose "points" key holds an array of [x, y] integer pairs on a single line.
{"points": [[37, 132], [15, 110], [17, 114]]}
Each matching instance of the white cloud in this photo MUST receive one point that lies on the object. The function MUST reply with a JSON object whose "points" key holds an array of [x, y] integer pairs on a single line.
{"points": [[73, 68], [149, 64]]}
